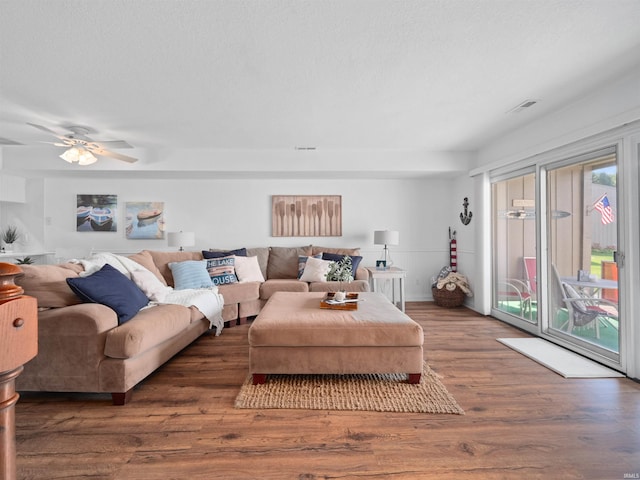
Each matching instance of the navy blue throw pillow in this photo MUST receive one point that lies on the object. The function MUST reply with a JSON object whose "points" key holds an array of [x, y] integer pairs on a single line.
{"points": [[240, 252], [110, 287], [336, 257]]}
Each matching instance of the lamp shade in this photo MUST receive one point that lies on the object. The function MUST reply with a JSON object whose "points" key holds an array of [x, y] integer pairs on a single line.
{"points": [[386, 237], [181, 239]]}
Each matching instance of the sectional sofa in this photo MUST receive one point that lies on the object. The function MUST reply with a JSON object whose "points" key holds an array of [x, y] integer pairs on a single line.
{"points": [[85, 346]]}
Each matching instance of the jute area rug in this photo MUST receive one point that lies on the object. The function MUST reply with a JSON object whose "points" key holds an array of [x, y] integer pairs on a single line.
{"points": [[371, 392]]}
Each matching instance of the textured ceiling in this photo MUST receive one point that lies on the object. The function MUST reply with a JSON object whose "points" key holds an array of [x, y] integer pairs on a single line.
{"points": [[269, 75]]}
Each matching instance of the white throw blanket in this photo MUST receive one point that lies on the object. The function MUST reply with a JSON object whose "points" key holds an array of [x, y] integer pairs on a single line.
{"points": [[207, 300], [94, 263]]}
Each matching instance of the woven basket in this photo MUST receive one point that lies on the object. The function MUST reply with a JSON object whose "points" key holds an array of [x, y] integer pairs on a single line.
{"points": [[447, 298]]}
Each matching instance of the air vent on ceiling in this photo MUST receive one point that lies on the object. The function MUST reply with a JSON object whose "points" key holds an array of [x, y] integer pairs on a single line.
{"points": [[523, 106]]}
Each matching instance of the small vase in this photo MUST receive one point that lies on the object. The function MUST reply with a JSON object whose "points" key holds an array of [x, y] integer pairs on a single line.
{"points": [[8, 247]]}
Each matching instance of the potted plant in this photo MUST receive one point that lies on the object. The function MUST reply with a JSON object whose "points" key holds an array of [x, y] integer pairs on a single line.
{"points": [[341, 271], [10, 235]]}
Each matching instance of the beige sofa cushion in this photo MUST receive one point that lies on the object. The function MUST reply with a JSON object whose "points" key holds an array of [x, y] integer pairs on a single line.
{"points": [[263, 258], [239, 292], [315, 249], [47, 283], [145, 259], [283, 261], [272, 286], [150, 327]]}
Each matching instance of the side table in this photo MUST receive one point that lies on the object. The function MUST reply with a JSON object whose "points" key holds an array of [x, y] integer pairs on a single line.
{"points": [[390, 273]]}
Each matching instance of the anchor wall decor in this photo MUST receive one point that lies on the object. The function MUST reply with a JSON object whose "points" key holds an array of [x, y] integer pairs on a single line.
{"points": [[465, 217]]}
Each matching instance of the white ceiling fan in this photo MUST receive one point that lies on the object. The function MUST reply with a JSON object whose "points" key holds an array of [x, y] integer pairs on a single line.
{"points": [[81, 148]]}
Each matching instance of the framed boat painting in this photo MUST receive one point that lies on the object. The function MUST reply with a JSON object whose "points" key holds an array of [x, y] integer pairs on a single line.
{"points": [[144, 220], [96, 213]]}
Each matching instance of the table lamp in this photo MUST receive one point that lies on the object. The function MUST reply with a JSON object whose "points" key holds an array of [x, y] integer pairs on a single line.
{"points": [[181, 239], [386, 238]]}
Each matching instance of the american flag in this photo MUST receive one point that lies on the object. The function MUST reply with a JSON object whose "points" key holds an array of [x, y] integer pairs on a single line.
{"points": [[602, 205]]}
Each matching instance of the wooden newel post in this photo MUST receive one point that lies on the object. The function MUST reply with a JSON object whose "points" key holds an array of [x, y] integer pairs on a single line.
{"points": [[18, 345]]}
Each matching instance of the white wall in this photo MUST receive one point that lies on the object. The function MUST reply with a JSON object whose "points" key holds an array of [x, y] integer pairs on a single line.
{"points": [[237, 213], [25, 214], [12, 188], [462, 187]]}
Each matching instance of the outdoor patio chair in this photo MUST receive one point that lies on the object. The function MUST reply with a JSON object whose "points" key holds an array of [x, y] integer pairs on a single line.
{"points": [[531, 280], [582, 310], [516, 290], [530, 274]]}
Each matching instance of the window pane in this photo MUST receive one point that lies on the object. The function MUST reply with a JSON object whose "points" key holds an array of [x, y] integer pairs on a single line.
{"points": [[582, 239], [514, 233]]}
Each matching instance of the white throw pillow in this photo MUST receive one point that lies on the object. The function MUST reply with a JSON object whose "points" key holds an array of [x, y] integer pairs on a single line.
{"points": [[153, 288], [315, 270], [248, 269]]}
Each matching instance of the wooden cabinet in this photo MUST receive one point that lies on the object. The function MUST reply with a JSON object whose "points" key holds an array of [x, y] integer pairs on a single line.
{"points": [[18, 345], [18, 332]]}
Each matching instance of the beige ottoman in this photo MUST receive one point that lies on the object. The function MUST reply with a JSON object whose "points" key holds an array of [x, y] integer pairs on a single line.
{"points": [[292, 334]]}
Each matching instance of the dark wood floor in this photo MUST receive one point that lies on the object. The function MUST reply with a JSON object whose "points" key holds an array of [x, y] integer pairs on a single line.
{"points": [[522, 421]]}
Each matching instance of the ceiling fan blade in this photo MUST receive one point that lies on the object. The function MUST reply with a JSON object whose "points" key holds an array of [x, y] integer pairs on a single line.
{"points": [[107, 153], [44, 129], [48, 130], [58, 144], [80, 140], [112, 144]]}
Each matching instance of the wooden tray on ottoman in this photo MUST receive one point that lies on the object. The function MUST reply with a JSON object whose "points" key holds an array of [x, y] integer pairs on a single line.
{"points": [[340, 306]]}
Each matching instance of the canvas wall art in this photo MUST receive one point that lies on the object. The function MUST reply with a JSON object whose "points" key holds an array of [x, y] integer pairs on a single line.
{"points": [[96, 213], [144, 220], [306, 215]]}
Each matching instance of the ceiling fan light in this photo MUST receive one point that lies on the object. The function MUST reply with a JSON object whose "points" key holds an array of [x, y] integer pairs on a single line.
{"points": [[71, 155], [86, 158], [78, 155]]}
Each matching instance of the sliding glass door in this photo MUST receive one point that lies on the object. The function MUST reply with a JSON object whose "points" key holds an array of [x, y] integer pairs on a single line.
{"points": [[582, 246], [566, 288], [515, 289]]}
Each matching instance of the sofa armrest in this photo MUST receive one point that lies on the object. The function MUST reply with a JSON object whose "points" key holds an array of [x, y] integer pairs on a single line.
{"points": [[71, 343], [362, 274], [81, 319]]}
